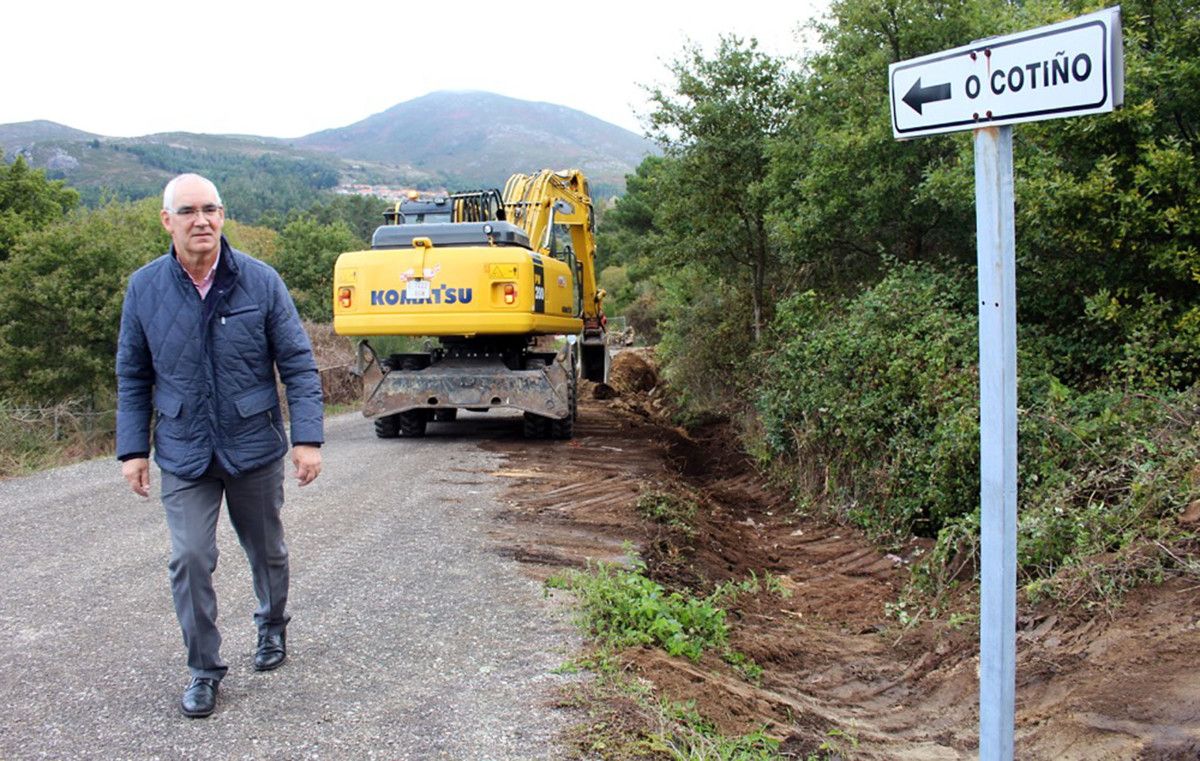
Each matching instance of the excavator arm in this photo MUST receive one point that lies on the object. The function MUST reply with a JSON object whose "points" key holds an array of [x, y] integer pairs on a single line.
{"points": [[538, 203]]}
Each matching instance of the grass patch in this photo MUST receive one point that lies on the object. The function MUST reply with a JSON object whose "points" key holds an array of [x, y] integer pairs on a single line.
{"points": [[623, 608], [687, 735], [768, 582]]}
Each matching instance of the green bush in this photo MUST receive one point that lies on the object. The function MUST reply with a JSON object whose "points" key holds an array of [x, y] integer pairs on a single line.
{"points": [[668, 509], [61, 291], [879, 396], [307, 253], [706, 345]]}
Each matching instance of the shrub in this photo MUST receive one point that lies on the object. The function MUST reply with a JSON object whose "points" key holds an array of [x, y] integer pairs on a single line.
{"points": [[877, 398], [61, 291], [872, 409], [706, 343]]}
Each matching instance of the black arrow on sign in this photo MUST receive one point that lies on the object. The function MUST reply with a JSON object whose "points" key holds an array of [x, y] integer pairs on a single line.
{"points": [[918, 96]]}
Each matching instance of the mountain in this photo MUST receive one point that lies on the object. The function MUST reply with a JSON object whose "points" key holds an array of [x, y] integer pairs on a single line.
{"points": [[481, 138], [39, 130], [450, 140]]}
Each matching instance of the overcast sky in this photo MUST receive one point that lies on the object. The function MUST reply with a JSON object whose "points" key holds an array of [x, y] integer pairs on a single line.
{"points": [[133, 67]]}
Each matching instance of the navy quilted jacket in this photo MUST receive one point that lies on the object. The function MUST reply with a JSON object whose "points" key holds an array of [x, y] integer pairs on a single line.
{"points": [[207, 367]]}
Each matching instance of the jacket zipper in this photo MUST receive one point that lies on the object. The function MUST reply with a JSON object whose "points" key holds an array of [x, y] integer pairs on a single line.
{"points": [[271, 417]]}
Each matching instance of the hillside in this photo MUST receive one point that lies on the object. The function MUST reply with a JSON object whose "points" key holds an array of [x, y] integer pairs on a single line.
{"points": [[441, 140], [12, 135], [481, 138]]}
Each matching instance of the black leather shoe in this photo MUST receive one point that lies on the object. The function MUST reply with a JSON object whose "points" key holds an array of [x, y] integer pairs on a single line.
{"points": [[272, 651], [200, 698]]}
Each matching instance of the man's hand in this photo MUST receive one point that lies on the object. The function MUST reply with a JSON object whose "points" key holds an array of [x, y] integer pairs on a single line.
{"points": [[308, 463], [137, 473]]}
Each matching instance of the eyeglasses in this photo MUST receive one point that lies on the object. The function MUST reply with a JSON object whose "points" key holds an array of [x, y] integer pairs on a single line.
{"points": [[209, 210]]}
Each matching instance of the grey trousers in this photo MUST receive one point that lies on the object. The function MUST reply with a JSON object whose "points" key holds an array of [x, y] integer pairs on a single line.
{"points": [[192, 507]]}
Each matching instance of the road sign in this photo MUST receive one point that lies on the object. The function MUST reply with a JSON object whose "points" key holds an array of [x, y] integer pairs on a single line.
{"points": [[1068, 69]]}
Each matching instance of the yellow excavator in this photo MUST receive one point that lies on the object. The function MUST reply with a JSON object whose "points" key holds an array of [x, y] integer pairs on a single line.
{"points": [[494, 278]]}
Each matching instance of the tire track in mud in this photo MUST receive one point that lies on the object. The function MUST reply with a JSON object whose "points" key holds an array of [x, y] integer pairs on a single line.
{"points": [[1092, 688], [826, 663]]}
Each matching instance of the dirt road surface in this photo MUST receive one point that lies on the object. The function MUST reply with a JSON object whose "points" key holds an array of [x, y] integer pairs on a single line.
{"points": [[411, 638]]}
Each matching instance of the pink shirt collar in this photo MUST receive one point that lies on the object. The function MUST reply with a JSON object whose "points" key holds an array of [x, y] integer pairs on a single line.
{"points": [[204, 284]]}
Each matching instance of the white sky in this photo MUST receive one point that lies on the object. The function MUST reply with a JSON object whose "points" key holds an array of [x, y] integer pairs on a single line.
{"points": [[263, 67]]}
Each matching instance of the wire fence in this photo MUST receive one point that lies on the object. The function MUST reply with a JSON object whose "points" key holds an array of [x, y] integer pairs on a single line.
{"points": [[38, 436], [69, 419], [32, 437], [26, 426], [59, 421]]}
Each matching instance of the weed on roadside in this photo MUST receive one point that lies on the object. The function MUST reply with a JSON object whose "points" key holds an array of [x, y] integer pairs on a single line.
{"points": [[33, 439], [624, 608], [668, 509], [768, 582], [687, 735]]}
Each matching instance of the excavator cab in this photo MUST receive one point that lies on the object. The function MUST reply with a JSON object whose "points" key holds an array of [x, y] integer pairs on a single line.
{"points": [[421, 210]]}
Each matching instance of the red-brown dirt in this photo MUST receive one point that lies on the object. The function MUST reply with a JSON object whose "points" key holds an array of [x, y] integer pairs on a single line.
{"points": [[1111, 686]]}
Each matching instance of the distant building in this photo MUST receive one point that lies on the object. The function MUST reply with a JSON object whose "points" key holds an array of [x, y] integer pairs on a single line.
{"points": [[386, 192]]}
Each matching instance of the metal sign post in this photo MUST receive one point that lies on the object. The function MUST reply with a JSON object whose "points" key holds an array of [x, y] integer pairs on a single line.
{"points": [[996, 247], [1067, 69]]}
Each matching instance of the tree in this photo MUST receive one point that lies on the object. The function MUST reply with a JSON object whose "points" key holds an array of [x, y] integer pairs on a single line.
{"points": [[1110, 207], [307, 253], [259, 242], [28, 201], [715, 124], [361, 213], [61, 291], [629, 244], [847, 195]]}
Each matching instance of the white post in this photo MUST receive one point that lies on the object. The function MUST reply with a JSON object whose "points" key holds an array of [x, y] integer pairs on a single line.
{"points": [[996, 237]]}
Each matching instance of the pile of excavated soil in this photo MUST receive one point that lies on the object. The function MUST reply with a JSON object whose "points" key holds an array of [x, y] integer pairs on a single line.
{"points": [[837, 669], [633, 372]]}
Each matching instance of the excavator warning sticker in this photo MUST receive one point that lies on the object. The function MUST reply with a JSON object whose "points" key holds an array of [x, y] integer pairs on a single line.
{"points": [[503, 271]]}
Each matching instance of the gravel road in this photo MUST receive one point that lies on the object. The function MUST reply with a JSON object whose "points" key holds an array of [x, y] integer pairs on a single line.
{"points": [[411, 637]]}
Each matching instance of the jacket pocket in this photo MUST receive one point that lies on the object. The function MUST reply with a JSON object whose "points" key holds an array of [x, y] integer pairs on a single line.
{"points": [[253, 402], [167, 404], [234, 312]]}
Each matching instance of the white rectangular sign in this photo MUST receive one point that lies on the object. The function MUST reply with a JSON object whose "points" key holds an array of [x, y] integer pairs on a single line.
{"points": [[1068, 69]]}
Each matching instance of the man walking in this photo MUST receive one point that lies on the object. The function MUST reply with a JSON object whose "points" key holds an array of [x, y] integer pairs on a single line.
{"points": [[203, 330]]}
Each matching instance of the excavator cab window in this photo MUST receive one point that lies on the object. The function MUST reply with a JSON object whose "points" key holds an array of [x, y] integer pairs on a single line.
{"points": [[560, 243], [428, 217]]}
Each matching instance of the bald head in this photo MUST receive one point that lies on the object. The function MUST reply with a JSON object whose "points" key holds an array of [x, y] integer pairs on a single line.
{"points": [[169, 191]]}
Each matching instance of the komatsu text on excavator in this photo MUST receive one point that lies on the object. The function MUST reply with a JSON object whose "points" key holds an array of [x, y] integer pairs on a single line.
{"points": [[493, 277]]}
